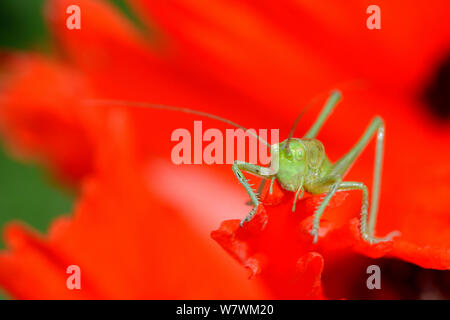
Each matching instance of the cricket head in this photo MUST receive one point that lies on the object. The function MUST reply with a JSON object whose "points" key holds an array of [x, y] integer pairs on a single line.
{"points": [[293, 164]]}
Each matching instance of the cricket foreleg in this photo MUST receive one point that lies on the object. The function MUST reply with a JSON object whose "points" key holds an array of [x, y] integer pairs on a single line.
{"points": [[258, 191], [271, 185], [318, 213], [256, 170]]}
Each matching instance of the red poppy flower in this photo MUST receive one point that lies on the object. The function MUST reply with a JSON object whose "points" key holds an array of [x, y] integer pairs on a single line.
{"points": [[256, 64]]}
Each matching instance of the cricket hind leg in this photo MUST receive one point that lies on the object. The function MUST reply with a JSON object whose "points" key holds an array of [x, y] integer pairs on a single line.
{"points": [[326, 111], [339, 185], [343, 164], [256, 170]]}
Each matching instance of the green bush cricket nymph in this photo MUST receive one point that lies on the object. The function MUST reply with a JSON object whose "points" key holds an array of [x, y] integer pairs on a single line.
{"points": [[301, 165]]}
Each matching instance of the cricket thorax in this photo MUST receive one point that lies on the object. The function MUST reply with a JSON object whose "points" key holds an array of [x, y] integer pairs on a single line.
{"points": [[301, 161]]}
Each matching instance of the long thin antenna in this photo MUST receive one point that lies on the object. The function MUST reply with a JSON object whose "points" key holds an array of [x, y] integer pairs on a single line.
{"points": [[297, 120], [171, 108], [357, 84]]}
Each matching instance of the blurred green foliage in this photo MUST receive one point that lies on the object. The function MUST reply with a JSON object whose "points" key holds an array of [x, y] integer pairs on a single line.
{"points": [[21, 24], [26, 194]]}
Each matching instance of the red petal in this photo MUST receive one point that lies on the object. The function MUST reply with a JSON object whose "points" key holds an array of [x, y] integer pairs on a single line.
{"points": [[41, 118], [128, 244]]}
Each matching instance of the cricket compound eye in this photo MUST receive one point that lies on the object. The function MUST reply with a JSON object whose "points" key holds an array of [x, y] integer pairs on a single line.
{"points": [[288, 154], [299, 154]]}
